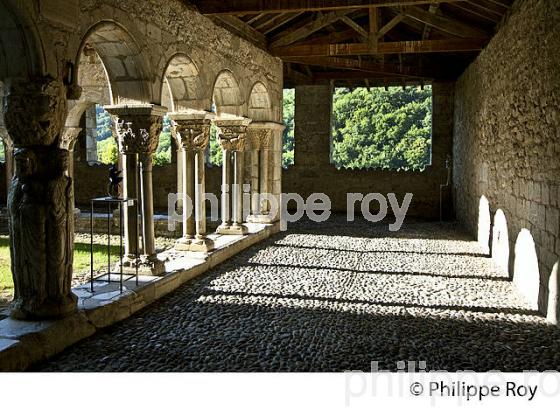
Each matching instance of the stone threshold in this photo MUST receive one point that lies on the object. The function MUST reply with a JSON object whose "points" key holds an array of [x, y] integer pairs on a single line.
{"points": [[23, 343]]}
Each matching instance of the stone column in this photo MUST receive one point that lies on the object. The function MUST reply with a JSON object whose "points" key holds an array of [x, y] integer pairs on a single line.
{"points": [[67, 142], [192, 133], [266, 137], [40, 202], [231, 137], [138, 129]]}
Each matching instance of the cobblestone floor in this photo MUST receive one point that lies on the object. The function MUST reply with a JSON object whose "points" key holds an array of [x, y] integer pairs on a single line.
{"points": [[334, 297]]}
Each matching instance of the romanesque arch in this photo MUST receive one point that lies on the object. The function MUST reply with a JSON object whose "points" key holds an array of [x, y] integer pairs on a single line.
{"points": [[227, 95], [123, 61], [260, 105], [182, 84]]}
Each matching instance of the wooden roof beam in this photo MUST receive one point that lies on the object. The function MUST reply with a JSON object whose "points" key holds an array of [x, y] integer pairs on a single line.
{"points": [[242, 29], [393, 47], [444, 23], [323, 20], [221, 7]]}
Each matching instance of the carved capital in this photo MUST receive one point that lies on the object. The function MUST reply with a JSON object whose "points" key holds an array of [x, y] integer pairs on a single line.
{"points": [[260, 138], [69, 137], [34, 111], [232, 133], [138, 127], [192, 132]]}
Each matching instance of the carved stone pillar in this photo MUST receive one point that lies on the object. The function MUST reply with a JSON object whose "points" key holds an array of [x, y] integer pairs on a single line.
{"points": [[232, 137], [138, 129], [192, 133], [264, 137], [68, 142], [40, 201]]}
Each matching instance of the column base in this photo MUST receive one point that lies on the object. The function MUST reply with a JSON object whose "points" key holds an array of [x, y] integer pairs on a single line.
{"points": [[183, 244], [147, 265], [232, 230], [202, 245], [261, 219], [194, 245], [48, 309]]}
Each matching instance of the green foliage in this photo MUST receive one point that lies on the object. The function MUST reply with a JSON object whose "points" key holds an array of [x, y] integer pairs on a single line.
{"points": [[288, 138], [104, 124], [2, 153], [107, 151], [163, 152], [382, 129], [214, 150]]}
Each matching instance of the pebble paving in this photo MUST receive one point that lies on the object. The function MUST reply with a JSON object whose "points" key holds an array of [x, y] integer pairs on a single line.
{"points": [[332, 297]]}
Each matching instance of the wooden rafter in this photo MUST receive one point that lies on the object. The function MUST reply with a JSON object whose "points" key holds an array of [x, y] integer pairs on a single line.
{"points": [[276, 22], [444, 23], [216, 7], [311, 27], [355, 26], [243, 30]]}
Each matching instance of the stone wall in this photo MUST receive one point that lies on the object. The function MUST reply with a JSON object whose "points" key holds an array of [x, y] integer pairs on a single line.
{"points": [[507, 141], [313, 171]]}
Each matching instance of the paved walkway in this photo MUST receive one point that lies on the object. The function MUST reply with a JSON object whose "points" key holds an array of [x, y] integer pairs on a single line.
{"points": [[334, 297]]}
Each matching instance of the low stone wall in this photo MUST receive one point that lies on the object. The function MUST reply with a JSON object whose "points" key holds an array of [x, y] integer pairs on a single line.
{"points": [[507, 141]]}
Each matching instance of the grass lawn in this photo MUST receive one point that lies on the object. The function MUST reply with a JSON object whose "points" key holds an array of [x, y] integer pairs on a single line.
{"points": [[81, 263]]}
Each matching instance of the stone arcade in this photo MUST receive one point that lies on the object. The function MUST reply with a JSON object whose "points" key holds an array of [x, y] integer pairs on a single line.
{"points": [[217, 69]]}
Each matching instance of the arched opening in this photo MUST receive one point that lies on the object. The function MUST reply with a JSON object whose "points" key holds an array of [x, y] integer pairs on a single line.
{"points": [[226, 95], [17, 57], [500, 241], [260, 107], [526, 274], [484, 224], [122, 60], [183, 89], [226, 101]]}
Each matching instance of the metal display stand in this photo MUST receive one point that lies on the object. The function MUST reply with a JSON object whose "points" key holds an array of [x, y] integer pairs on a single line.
{"points": [[109, 203]]}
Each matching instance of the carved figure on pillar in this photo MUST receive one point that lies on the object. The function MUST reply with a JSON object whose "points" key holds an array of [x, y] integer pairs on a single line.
{"points": [[40, 201]]}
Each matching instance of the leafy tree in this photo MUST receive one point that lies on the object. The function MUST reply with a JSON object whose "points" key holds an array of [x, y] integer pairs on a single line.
{"points": [[382, 129], [288, 137], [107, 151], [2, 153]]}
